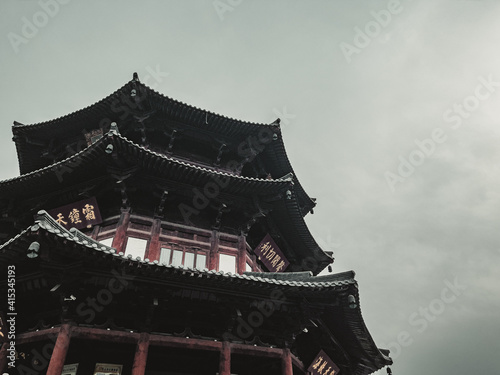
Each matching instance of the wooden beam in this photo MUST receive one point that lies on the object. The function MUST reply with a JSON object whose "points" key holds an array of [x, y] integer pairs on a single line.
{"points": [[24, 338], [260, 351], [298, 363], [242, 254], [141, 355], [225, 359], [97, 334], [105, 335], [185, 343], [154, 244], [121, 231], [60, 350], [213, 263], [286, 362]]}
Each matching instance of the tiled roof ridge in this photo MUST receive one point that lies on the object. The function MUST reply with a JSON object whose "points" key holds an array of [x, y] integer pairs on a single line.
{"points": [[15, 238], [46, 222], [287, 179], [217, 115], [136, 83], [280, 152], [18, 125], [170, 159], [304, 276]]}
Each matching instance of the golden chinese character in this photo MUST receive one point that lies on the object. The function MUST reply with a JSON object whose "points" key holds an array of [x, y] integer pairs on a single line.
{"points": [[315, 366], [280, 266], [88, 211], [322, 367], [60, 218], [74, 216], [328, 370], [270, 254], [265, 248], [275, 261]]}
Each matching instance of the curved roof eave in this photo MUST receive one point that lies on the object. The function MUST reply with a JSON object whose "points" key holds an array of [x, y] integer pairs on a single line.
{"points": [[278, 152], [188, 112], [45, 222], [99, 147], [288, 217], [366, 342]]}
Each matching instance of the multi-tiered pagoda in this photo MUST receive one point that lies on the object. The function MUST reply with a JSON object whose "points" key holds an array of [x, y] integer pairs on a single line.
{"points": [[147, 236]]}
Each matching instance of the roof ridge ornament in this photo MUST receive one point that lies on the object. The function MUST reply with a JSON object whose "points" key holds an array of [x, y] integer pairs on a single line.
{"points": [[135, 77], [114, 129], [287, 177], [276, 122]]}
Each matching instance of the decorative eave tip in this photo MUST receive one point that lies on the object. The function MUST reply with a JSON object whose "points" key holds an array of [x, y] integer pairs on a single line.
{"points": [[276, 122], [287, 177]]}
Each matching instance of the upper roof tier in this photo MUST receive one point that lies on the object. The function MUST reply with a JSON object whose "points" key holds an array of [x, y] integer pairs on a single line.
{"points": [[165, 126], [102, 167]]}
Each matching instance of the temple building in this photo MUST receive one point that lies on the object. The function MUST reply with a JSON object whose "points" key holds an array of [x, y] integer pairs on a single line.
{"points": [[147, 236]]}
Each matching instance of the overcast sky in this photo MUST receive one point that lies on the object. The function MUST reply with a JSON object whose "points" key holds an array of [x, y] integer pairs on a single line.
{"points": [[390, 116]]}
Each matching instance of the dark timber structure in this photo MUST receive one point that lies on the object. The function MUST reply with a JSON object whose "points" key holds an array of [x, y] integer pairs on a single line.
{"points": [[166, 279]]}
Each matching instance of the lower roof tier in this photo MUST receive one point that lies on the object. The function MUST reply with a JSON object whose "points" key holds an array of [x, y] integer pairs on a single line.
{"points": [[58, 270]]}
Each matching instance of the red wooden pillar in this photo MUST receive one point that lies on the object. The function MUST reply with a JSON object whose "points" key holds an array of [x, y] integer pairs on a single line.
{"points": [[121, 231], [3, 357], [60, 350], [154, 244], [225, 359], [141, 355], [286, 362], [213, 263], [242, 254]]}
